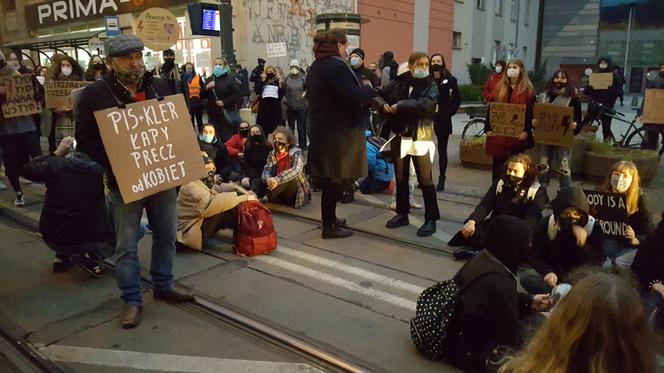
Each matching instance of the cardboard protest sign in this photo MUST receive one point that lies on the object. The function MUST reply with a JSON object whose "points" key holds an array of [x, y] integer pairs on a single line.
{"points": [[653, 106], [601, 80], [507, 119], [58, 91], [151, 146], [610, 211], [158, 28], [553, 125], [20, 97]]}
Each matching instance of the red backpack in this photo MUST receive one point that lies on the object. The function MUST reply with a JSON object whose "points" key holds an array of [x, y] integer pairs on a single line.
{"points": [[254, 234]]}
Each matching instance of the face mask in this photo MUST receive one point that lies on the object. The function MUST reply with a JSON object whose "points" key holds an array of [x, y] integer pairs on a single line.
{"points": [[270, 75], [206, 138], [41, 79], [130, 77], [355, 62], [560, 85], [169, 63], [499, 69], [514, 180], [255, 138], [294, 70], [220, 70], [280, 147], [66, 71], [621, 183], [603, 66], [98, 66], [244, 132], [420, 74], [513, 72], [436, 68]]}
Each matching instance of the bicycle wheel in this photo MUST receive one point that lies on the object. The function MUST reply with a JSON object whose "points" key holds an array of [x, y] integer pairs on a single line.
{"points": [[474, 128], [636, 139]]}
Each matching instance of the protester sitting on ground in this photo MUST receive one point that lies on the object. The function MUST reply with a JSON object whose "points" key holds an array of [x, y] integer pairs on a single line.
{"points": [[204, 208], [565, 240], [217, 151], [648, 267], [490, 311], [516, 193], [235, 146], [74, 221], [96, 69], [492, 82], [624, 179], [381, 172], [599, 326], [283, 173], [256, 151], [270, 88]]}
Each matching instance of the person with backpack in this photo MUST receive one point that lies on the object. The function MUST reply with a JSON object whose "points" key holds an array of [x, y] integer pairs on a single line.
{"points": [[191, 85], [381, 172], [296, 106], [205, 207], [516, 193], [485, 312]]}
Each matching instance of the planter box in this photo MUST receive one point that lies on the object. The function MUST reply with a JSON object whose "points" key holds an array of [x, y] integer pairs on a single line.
{"points": [[598, 166], [581, 145], [473, 155]]}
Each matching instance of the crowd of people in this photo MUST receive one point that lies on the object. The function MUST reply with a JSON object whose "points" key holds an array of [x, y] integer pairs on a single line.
{"points": [[390, 119]]}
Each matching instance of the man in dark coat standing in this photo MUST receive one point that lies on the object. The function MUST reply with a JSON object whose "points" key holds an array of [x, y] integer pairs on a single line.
{"points": [[337, 102], [607, 97]]}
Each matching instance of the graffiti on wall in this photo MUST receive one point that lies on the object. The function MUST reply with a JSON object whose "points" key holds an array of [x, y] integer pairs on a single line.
{"points": [[289, 21]]}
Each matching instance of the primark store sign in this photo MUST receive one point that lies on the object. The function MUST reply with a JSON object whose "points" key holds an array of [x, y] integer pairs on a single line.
{"points": [[60, 12]]}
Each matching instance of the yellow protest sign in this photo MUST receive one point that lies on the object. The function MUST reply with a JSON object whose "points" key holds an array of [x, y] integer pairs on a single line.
{"points": [[601, 81]]}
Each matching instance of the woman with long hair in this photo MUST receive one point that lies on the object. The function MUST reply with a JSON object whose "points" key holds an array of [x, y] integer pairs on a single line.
{"points": [[624, 178], [96, 69], [409, 103], [256, 151], [600, 326], [514, 88], [270, 88], [448, 104], [559, 91], [64, 68]]}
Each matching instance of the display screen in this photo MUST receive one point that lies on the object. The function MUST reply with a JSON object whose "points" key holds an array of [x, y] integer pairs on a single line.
{"points": [[210, 19]]}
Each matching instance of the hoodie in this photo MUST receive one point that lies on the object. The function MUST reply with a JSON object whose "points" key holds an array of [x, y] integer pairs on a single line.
{"points": [[608, 96], [555, 249]]}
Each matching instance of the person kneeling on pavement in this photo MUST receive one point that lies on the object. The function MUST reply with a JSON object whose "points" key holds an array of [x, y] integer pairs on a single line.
{"points": [[74, 221], [381, 172], [516, 193], [205, 207], [284, 172], [491, 316]]}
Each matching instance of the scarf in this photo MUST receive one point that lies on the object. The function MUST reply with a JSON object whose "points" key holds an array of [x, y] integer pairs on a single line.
{"points": [[419, 85], [325, 51], [283, 162]]}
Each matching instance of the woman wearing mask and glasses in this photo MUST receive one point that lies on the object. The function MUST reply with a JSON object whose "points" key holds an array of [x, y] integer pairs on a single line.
{"points": [[224, 99]]}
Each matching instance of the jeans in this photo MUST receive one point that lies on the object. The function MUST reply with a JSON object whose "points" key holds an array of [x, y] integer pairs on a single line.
{"points": [[372, 185], [17, 150], [618, 254], [301, 117], [561, 154], [162, 215]]}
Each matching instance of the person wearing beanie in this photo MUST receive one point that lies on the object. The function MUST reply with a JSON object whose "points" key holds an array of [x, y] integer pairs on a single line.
{"points": [[170, 72], [296, 106], [490, 311], [563, 241], [362, 72], [257, 71]]}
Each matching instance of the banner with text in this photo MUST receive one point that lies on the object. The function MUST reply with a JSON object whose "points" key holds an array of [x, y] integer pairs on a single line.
{"points": [[58, 91], [553, 125], [601, 81], [507, 119], [151, 146], [653, 106], [20, 96], [276, 50], [610, 211]]}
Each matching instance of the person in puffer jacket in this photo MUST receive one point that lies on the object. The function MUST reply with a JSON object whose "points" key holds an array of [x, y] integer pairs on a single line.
{"points": [[381, 172]]}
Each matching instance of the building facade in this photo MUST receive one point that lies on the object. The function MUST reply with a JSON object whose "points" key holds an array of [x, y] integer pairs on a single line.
{"points": [[488, 30]]}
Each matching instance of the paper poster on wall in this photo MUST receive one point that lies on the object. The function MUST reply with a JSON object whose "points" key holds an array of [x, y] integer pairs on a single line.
{"points": [[19, 96], [58, 92], [653, 106], [276, 50], [151, 146], [507, 119], [553, 124]]}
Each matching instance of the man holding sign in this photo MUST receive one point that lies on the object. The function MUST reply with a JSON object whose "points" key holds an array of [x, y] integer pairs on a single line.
{"points": [[605, 93], [118, 118], [649, 113]]}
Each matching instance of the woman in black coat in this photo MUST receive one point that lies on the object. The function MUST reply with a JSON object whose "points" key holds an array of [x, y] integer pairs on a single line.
{"points": [[448, 104], [209, 143], [270, 88], [337, 102], [256, 151]]}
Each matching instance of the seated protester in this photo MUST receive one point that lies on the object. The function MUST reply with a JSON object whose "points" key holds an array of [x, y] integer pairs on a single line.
{"points": [[235, 146], [490, 311], [203, 209], [256, 151], [216, 151], [516, 193], [566, 240], [648, 268], [599, 326], [283, 173], [381, 172], [624, 178], [74, 221]]}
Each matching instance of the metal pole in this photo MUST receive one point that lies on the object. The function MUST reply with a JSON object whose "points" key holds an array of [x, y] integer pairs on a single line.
{"points": [[629, 34], [226, 31]]}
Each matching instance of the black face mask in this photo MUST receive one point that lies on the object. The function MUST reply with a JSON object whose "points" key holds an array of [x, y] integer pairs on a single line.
{"points": [[244, 133], [559, 85], [169, 63], [270, 76], [98, 66], [436, 68], [255, 138]]}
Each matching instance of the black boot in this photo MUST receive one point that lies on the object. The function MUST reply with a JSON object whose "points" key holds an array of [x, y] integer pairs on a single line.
{"points": [[398, 221], [335, 231], [464, 253], [427, 229], [441, 184]]}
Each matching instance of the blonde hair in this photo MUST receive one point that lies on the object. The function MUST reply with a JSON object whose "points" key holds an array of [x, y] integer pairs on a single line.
{"points": [[599, 327], [634, 191], [523, 84]]}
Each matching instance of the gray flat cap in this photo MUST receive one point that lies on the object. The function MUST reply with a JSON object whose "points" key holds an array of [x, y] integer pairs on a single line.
{"points": [[122, 45]]}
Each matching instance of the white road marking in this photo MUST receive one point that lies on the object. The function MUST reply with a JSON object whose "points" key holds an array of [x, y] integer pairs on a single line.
{"points": [[389, 281], [340, 282], [167, 363]]}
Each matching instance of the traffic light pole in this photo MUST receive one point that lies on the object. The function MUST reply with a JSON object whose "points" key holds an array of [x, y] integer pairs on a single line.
{"points": [[226, 31]]}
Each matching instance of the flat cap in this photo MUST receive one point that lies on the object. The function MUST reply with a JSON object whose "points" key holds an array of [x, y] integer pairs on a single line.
{"points": [[123, 45]]}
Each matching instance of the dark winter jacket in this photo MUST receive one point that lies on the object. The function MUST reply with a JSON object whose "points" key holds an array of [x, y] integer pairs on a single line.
{"points": [[448, 104], [173, 78], [218, 152], [226, 89], [269, 115], [362, 73], [74, 209], [608, 96], [336, 102], [294, 87], [243, 78], [103, 94], [255, 158], [489, 308], [648, 265]]}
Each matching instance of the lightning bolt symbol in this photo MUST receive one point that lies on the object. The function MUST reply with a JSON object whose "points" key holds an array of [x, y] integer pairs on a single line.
{"points": [[140, 26]]}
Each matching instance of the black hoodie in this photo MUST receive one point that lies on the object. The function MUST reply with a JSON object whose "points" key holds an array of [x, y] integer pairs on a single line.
{"points": [[648, 265], [489, 307], [608, 96]]}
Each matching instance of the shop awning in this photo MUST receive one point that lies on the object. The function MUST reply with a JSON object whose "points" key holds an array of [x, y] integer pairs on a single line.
{"points": [[71, 40]]}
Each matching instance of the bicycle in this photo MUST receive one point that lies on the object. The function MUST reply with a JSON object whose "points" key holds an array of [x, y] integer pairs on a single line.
{"points": [[475, 126]]}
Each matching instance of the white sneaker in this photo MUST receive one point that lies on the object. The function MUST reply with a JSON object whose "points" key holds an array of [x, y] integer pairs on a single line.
{"points": [[415, 205], [393, 206], [19, 201]]}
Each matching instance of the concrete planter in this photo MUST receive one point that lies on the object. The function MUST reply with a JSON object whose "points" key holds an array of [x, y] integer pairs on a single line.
{"points": [[582, 143], [597, 166], [473, 155]]}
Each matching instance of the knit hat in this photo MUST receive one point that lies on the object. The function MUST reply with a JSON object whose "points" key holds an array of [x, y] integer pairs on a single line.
{"points": [[359, 52], [261, 61], [294, 63], [388, 56]]}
